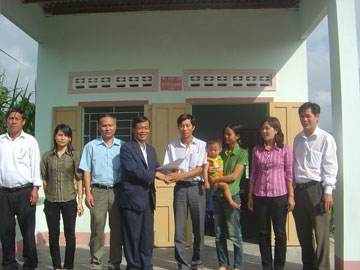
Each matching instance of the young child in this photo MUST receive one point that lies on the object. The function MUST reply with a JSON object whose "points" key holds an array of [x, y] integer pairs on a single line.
{"points": [[215, 160]]}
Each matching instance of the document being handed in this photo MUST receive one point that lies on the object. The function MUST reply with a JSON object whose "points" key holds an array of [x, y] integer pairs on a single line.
{"points": [[172, 165]]}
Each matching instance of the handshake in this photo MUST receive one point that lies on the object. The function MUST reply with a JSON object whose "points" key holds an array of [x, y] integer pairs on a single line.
{"points": [[168, 178]]}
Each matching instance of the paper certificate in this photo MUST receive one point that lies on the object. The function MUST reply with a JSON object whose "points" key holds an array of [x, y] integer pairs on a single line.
{"points": [[172, 165]]}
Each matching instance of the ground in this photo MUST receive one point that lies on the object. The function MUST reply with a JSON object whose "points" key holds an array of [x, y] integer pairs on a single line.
{"points": [[163, 258]]}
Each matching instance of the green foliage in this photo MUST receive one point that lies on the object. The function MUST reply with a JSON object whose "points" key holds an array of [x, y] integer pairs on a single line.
{"points": [[17, 97]]}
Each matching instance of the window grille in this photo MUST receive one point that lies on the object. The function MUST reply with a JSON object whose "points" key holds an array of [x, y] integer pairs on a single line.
{"points": [[113, 81], [228, 80], [123, 114]]}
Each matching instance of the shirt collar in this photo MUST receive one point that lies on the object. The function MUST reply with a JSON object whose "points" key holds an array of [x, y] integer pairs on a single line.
{"points": [[194, 141], [20, 136], [276, 147], [101, 141], [315, 133], [140, 144], [235, 151], [54, 151]]}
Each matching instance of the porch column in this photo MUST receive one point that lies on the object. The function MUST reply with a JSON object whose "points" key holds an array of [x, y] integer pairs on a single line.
{"points": [[346, 118]]}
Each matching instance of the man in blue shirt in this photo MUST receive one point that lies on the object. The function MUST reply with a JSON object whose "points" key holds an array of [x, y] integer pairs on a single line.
{"points": [[100, 163]]}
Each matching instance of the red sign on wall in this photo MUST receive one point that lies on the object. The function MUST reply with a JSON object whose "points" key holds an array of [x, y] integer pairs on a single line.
{"points": [[171, 84]]}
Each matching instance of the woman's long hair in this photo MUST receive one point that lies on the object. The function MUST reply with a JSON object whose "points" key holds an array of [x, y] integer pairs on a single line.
{"points": [[275, 124], [68, 133]]}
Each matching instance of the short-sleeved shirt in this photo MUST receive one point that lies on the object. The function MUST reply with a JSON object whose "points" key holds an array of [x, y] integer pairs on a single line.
{"points": [[217, 163], [102, 161], [60, 172], [237, 156], [195, 156]]}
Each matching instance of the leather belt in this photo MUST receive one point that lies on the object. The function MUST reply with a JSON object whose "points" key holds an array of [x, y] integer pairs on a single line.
{"points": [[307, 185], [105, 186], [189, 183], [18, 188]]}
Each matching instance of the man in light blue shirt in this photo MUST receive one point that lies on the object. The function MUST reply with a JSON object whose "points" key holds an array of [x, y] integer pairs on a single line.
{"points": [[100, 163]]}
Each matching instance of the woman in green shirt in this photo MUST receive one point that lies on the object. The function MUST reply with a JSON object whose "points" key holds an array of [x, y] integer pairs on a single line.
{"points": [[227, 219], [59, 168]]}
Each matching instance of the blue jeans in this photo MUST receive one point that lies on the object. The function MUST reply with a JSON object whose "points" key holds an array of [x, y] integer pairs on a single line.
{"points": [[227, 224]]}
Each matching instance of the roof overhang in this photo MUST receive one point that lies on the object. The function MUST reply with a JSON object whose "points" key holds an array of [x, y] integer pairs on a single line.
{"points": [[62, 7]]}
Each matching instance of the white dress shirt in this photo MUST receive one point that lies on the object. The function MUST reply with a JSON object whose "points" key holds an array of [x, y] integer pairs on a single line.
{"points": [[315, 159], [195, 155], [143, 150], [19, 161]]}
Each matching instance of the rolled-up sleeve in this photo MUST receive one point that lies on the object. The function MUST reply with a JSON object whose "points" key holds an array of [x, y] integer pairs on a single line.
{"points": [[329, 165], [35, 163]]}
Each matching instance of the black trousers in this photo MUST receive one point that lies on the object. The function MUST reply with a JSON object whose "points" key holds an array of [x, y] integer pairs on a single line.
{"points": [[312, 226], [138, 237], [17, 204], [267, 210], [52, 212]]}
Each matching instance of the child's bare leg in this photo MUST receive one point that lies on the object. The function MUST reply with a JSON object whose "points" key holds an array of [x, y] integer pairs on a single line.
{"points": [[225, 187]]}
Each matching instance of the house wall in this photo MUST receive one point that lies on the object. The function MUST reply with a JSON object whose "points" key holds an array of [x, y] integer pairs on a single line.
{"points": [[169, 42]]}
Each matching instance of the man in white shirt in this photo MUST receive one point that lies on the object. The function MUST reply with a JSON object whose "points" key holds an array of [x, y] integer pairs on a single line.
{"points": [[315, 170], [19, 184], [189, 191]]}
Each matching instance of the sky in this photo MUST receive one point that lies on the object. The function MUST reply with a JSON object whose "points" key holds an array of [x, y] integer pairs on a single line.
{"points": [[23, 48], [20, 46]]}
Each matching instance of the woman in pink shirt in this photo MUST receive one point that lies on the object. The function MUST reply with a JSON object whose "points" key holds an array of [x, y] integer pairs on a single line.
{"points": [[271, 193]]}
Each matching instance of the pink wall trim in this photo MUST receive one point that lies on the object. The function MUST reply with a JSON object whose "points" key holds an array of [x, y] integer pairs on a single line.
{"points": [[346, 265], [154, 88], [189, 72], [113, 103], [229, 100]]}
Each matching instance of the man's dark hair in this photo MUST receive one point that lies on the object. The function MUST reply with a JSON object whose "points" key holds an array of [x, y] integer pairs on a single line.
{"points": [[184, 117], [315, 108], [139, 119], [214, 140], [15, 110], [106, 115]]}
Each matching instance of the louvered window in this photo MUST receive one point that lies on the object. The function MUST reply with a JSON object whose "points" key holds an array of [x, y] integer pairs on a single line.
{"points": [[113, 81], [228, 80]]}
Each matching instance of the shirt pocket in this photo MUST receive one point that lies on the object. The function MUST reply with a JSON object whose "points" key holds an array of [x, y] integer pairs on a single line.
{"points": [[313, 159], [22, 155], [194, 160]]}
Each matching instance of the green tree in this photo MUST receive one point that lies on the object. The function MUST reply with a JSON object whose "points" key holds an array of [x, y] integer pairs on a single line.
{"points": [[16, 97]]}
